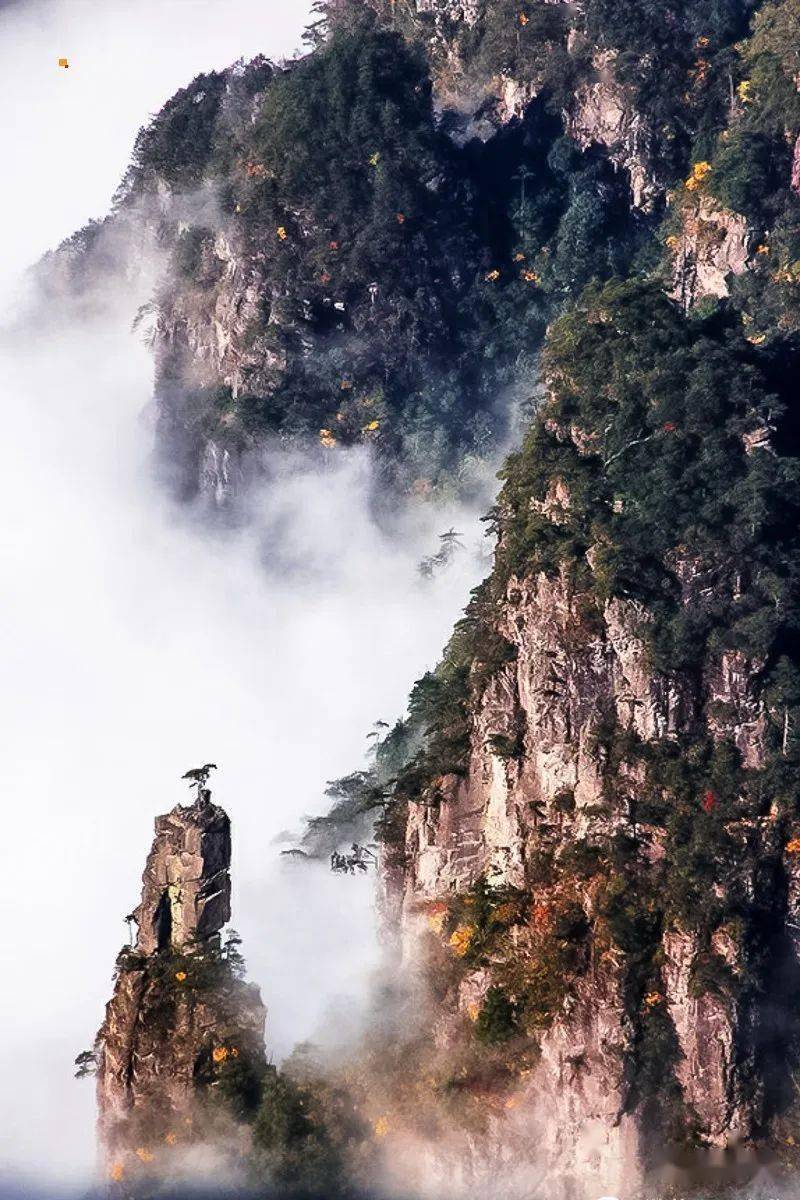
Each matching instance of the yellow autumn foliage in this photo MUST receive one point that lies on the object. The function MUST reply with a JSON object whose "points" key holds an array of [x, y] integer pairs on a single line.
{"points": [[460, 940], [144, 1155], [700, 173], [793, 847], [436, 921], [381, 1127], [219, 1054], [180, 976]]}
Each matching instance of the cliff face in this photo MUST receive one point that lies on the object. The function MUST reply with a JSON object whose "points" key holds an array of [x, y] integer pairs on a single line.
{"points": [[186, 892], [506, 817], [181, 1027], [607, 860]]}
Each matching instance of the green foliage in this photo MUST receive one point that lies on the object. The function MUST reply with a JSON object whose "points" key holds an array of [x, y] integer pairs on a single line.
{"points": [[497, 1020], [488, 912], [305, 1128], [749, 168], [520, 39], [177, 144], [677, 60], [86, 1064]]}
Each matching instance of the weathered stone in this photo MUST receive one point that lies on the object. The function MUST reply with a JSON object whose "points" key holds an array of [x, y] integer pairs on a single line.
{"points": [[712, 246], [604, 113], [186, 892], [175, 1001], [575, 661]]}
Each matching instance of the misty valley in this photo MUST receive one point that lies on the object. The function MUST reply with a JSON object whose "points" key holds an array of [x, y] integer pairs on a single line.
{"points": [[403, 567]]}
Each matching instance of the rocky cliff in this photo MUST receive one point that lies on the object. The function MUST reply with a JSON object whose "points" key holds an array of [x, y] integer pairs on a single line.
{"points": [[182, 1043], [595, 851]]}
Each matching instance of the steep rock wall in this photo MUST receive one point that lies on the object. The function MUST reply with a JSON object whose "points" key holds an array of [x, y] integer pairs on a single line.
{"points": [[180, 1016]]}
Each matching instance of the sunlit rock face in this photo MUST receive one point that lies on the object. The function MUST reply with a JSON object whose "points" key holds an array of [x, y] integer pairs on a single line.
{"points": [[516, 819], [180, 1016], [186, 886], [712, 247]]}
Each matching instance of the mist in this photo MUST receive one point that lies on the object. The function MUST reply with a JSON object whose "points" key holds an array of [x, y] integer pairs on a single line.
{"points": [[66, 135], [140, 642]]}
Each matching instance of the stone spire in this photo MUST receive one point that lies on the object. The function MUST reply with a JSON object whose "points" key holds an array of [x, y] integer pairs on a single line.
{"points": [[186, 886], [180, 1016]]}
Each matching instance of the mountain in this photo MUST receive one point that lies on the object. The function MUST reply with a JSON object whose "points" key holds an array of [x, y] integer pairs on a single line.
{"points": [[589, 816]]}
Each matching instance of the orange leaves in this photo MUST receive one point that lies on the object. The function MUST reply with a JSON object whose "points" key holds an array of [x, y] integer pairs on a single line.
{"points": [[523, 19], [492, 276], [255, 170], [652, 999], [281, 232], [327, 439], [64, 64], [529, 276], [793, 846], [460, 940], [144, 1155], [381, 1127], [171, 1138], [117, 1172], [180, 976], [220, 1054]]}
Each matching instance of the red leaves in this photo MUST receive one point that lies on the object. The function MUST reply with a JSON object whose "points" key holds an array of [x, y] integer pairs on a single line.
{"points": [[669, 427], [709, 802]]}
